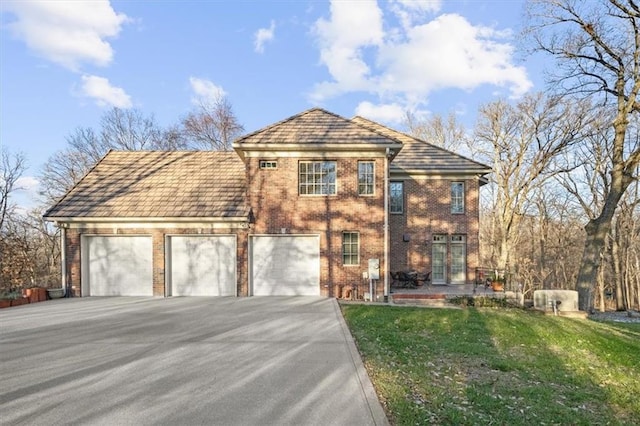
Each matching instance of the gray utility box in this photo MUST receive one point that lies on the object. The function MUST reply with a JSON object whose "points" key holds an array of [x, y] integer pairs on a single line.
{"points": [[565, 300], [374, 269]]}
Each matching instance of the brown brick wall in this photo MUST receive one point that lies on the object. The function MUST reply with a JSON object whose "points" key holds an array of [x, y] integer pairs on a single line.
{"points": [[427, 212], [74, 252], [277, 207]]}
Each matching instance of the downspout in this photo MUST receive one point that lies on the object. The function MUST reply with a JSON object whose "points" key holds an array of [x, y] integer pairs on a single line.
{"points": [[63, 260], [386, 225]]}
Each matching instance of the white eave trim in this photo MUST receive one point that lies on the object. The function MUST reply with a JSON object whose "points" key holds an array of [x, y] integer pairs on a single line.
{"points": [[146, 219], [421, 172], [315, 146]]}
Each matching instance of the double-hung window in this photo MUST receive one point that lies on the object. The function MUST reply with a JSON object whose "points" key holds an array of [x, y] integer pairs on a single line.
{"points": [[366, 176], [350, 248], [317, 177], [396, 197], [457, 197]]}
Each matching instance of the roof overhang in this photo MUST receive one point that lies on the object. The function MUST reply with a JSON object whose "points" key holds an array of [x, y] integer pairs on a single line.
{"points": [[468, 171], [242, 148]]}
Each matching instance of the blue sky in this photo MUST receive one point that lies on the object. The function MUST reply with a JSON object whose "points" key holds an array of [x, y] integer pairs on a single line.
{"points": [[64, 63]]}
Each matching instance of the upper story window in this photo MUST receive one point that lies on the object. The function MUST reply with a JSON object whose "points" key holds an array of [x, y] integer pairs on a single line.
{"points": [[366, 173], [268, 164], [457, 197], [350, 248], [317, 177], [396, 197]]}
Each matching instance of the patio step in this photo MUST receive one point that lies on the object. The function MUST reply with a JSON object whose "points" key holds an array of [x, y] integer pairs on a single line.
{"points": [[433, 300]]}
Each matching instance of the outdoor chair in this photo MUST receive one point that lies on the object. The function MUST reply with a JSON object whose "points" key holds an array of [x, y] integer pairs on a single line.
{"points": [[424, 277]]}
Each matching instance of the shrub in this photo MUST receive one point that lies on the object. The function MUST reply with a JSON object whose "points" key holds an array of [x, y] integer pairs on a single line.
{"points": [[480, 302]]}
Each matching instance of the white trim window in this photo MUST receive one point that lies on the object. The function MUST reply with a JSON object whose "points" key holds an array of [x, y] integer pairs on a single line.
{"points": [[457, 197], [317, 178], [350, 248], [366, 177], [268, 164], [396, 197]]}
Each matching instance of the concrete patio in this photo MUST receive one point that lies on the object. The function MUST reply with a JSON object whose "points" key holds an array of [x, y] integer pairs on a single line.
{"points": [[436, 294]]}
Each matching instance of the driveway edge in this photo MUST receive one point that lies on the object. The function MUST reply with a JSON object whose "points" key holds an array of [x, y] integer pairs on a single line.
{"points": [[377, 412]]}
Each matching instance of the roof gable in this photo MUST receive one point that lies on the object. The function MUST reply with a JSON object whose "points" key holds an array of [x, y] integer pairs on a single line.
{"points": [[315, 127], [422, 157], [158, 184]]}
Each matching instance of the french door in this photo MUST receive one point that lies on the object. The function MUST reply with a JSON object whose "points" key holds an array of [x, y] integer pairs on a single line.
{"points": [[439, 259], [458, 260]]}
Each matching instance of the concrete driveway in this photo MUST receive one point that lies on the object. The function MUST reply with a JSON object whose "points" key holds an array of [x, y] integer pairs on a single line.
{"points": [[182, 361]]}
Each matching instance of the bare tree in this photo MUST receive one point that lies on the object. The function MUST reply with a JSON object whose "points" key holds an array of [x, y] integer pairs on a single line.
{"points": [[447, 132], [12, 167], [30, 252], [547, 254], [624, 235], [522, 142], [597, 48], [126, 130], [213, 125]]}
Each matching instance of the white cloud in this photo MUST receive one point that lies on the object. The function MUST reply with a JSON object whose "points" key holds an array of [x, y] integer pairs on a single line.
{"points": [[407, 64], [205, 90], [264, 35], [26, 194], [353, 26], [450, 52], [27, 183], [409, 11], [104, 93], [421, 5], [387, 113], [68, 33]]}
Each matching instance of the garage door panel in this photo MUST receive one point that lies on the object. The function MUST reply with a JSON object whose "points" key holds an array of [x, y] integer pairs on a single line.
{"points": [[118, 266], [203, 265], [285, 265]]}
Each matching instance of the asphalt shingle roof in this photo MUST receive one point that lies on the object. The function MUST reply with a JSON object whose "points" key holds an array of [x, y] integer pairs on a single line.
{"points": [[156, 184], [315, 126], [418, 155]]}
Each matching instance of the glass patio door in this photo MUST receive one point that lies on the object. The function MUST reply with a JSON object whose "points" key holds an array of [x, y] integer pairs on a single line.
{"points": [[458, 260], [439, 259]]}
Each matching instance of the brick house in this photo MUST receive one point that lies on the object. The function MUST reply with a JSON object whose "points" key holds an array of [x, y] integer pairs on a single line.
{"points": [[299, 208]]}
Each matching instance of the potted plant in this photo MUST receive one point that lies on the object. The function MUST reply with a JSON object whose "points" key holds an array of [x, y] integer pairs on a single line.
{"points": [[497, 282], [55, 293]]}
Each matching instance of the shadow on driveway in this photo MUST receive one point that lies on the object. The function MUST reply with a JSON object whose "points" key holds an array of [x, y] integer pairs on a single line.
{"points": [[258, 360]]}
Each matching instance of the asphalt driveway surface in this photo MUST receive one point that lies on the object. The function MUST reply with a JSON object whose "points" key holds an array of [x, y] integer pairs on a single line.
{"points": [[182, 361]]}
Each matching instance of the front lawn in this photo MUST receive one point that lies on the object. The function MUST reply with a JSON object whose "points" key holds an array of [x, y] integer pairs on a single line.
{"points": [[498, 366]]}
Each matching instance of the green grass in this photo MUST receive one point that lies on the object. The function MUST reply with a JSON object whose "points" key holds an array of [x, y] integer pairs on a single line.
{"points": [[498, 366]]}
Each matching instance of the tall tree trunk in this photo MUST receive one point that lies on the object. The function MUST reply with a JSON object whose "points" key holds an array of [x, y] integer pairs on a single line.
{"points": [[637, 276], [597, 231], [503, 260], [617, 272], [601, 289], [638, 282], [627, 282], [542, 238]]}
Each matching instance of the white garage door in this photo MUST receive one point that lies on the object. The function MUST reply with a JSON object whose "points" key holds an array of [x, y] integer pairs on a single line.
{"points": [[285, 265], [117, 266], [202, 265]]}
